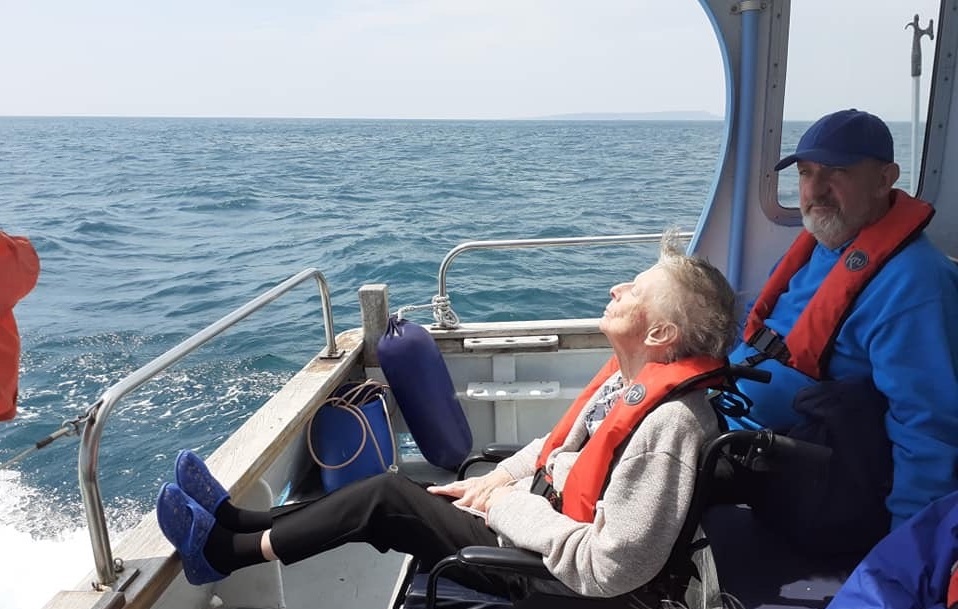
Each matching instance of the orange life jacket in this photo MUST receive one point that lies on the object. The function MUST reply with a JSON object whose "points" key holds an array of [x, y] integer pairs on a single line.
{"points": [[952, 598], [19, 268], [809, 342], [655, 384]]}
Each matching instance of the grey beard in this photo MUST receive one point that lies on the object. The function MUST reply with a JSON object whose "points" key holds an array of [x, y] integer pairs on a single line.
{"points": [[828, 230]]}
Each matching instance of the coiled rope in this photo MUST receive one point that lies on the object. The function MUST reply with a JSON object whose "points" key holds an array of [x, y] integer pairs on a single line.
{"points": [[442, 311]]}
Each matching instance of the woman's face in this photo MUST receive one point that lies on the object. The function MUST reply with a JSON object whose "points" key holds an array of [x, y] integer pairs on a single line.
{"points": [[632, 310]]}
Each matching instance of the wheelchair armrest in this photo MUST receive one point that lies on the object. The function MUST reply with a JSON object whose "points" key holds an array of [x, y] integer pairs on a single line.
{"points": [[487, 557], [517, 560], [492, 453], [500, 451]]}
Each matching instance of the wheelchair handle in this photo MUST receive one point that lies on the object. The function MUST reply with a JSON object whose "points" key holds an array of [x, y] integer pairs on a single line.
{"points": [[807, 451], [750, 373]]}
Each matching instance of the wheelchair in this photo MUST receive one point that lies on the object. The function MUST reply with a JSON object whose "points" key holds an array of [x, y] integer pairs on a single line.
{"points": [[724, 556]]}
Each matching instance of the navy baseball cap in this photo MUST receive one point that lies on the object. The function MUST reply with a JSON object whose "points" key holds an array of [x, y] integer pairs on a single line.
{"points": [[842, 139]]}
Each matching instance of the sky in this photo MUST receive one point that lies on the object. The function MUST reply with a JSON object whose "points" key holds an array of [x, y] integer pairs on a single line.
{"points": [[487, 59]]}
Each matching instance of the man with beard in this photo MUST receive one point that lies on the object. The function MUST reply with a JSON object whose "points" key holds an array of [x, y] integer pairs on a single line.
{"points": [[858, 324]]}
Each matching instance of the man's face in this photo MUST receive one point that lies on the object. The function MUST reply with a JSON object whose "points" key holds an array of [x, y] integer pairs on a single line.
{"points": [[633, 308], [837, 202]]}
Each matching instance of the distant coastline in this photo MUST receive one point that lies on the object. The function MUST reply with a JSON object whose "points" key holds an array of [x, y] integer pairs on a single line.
{"points": [[665, 116], [685, 115]]}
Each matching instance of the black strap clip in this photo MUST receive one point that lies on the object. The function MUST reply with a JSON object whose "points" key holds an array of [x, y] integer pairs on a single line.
{"points": [[541, 485], [770, 345]]}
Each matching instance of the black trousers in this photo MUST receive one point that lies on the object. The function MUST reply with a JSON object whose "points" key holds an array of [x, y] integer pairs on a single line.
{"points": [[392, 512], [389, 512]]}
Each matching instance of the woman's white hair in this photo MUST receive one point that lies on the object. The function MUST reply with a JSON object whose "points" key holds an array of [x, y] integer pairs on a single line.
{"points": [[701, 303]]}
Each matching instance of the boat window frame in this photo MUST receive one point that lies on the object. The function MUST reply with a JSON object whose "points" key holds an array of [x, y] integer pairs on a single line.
{"points": [[943, 69], [770, 135]]}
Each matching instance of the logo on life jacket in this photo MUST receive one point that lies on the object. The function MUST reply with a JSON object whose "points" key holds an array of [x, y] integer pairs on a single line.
{"points": [[856, 261], [635, 394]]}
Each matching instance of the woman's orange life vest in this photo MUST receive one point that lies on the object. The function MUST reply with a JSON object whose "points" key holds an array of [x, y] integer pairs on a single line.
{"points": [[811, 339], [655, 384], [19, 269]]}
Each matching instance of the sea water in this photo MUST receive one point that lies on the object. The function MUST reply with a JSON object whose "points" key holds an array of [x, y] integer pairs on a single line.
{"points": [[150, 229]]}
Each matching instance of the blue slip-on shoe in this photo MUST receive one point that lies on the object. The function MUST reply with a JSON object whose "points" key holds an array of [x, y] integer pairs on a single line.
{"points": [[195, 479], [187, 525]]}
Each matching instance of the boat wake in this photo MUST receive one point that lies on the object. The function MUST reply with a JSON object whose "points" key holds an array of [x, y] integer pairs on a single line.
{"points": [[45, 548]]}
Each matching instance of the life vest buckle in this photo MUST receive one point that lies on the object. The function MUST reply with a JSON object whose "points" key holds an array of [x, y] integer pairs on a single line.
{"points": [[770, 344], [542, 485]]}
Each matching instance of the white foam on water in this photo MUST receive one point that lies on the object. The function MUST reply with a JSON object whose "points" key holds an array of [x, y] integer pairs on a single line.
{"points": [[36, 569], [42, 550]]}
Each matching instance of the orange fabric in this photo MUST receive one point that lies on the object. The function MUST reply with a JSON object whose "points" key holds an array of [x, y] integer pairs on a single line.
{"points": [[952, 598], [810, 339], [19, 269], [590, 472]]}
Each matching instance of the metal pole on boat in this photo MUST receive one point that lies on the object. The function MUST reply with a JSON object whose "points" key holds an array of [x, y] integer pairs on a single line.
{"points": [[745, 111], [107, 567], [917, 33]]}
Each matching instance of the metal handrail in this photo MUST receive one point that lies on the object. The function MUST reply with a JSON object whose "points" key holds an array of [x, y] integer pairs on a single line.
{"points": [[90, 441], [446, 320]]}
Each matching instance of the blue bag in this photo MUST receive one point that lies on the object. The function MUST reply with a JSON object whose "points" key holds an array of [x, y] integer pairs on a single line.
{"points": [[350, 437]]}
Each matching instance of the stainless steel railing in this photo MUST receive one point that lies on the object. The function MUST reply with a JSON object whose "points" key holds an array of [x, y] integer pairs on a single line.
{"points": [[444, 315], [106, 567]]}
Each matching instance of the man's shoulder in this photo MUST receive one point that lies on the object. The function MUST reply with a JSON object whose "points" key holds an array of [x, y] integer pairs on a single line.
{"points": [[919, 273], [921, 260]]}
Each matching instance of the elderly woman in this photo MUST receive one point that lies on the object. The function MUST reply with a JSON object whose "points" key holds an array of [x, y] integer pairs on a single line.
{"points": [[602, 497]]}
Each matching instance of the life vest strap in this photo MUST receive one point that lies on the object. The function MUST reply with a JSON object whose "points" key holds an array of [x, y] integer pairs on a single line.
{"points": [[770, 345]]}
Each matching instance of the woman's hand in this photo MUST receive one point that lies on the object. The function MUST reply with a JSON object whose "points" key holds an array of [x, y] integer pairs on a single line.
{"points": [[474, 492], [496, 495]]}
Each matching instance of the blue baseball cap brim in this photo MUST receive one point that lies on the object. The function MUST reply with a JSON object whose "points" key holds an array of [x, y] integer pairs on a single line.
{"points": [[829, 158]]}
